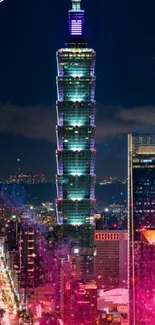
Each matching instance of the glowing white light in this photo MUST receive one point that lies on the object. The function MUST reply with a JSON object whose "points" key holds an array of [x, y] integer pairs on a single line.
{"points": [[76, 149], [76, 223], [76, 199], [76, 174], [76, 124], [76, 75], [76, 250], [76, 100]]}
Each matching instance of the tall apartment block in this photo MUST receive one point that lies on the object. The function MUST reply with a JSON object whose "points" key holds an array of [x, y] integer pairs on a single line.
{"points": [[141, 221], [26, 255], [75, 125]]}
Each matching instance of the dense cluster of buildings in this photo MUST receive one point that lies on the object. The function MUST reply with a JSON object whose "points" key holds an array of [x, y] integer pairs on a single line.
{"points": [[26, 179], [112, 180], [70, 264]]}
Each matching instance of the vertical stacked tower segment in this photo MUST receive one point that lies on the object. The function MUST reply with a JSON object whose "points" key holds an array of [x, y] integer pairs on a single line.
{"points": [[75, 126]]}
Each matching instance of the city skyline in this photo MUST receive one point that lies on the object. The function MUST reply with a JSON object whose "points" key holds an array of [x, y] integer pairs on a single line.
{"points": [[28, 89], [73, 258]]}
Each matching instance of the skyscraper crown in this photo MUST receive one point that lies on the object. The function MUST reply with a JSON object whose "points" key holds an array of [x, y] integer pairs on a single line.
{"points": [[76, 19]]}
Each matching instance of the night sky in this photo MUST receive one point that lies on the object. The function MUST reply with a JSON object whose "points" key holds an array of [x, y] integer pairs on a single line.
{"points": [[122, 33]]}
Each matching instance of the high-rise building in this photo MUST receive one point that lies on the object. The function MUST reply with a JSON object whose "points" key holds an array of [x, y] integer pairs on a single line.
{"points": [[141, 220], [26, 255], [111, 259], [76, 156], [75, 125]]}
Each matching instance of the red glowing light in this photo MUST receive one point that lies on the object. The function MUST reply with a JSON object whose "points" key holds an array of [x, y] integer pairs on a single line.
{"points": [[59, 199]]}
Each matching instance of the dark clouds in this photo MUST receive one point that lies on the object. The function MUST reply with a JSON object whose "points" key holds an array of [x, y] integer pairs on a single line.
{"points": [[38, 122]]}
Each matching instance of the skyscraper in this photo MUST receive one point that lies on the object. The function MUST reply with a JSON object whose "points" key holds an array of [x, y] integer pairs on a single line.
{"points": [[75, 125], [141, 208]]}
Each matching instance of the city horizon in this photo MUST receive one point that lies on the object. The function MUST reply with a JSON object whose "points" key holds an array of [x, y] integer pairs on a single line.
{"points": [[77, 163]]}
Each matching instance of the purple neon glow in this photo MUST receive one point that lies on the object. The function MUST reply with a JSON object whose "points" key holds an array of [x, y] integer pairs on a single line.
{"points": [[76, 27], [76, 20]]}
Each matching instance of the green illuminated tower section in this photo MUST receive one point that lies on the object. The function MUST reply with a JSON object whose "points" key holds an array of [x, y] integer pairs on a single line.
{"points": [[75, 125]]}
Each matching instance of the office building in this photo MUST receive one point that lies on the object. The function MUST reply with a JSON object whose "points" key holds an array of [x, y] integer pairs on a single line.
{"points": [[141, 221], [75, 125], [111, 259]]}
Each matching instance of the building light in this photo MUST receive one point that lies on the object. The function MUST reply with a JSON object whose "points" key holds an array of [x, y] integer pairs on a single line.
{"points": [[76, 250]]}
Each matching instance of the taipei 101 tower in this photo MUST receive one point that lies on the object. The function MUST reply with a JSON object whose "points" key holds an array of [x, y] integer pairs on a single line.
{"points": [[75, 125]]}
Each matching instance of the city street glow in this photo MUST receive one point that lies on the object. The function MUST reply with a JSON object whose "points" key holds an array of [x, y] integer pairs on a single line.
{"points": [[7, 301]]}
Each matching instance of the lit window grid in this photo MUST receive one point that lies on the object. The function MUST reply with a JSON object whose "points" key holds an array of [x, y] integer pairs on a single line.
{"points": [[70, 162], [76, 113], [70, 83], [141, 189], [75, 138], [76, 187]]}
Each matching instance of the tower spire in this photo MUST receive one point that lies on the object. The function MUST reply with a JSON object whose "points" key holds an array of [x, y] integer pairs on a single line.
{"points": [[76, 5], [76, 18]]}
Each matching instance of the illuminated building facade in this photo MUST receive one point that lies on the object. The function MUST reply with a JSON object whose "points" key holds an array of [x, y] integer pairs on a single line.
{"points": [[75, 125], [111, 259], [26, 254], [141, 209], [78, 301]]}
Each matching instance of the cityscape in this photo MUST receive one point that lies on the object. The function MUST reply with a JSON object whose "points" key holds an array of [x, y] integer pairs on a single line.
{"points": [[77, 248]]}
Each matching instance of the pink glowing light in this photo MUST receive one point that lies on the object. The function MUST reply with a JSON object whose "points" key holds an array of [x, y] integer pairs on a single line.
{"points": [[59, 199], [6, 320], [39, 311]]}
